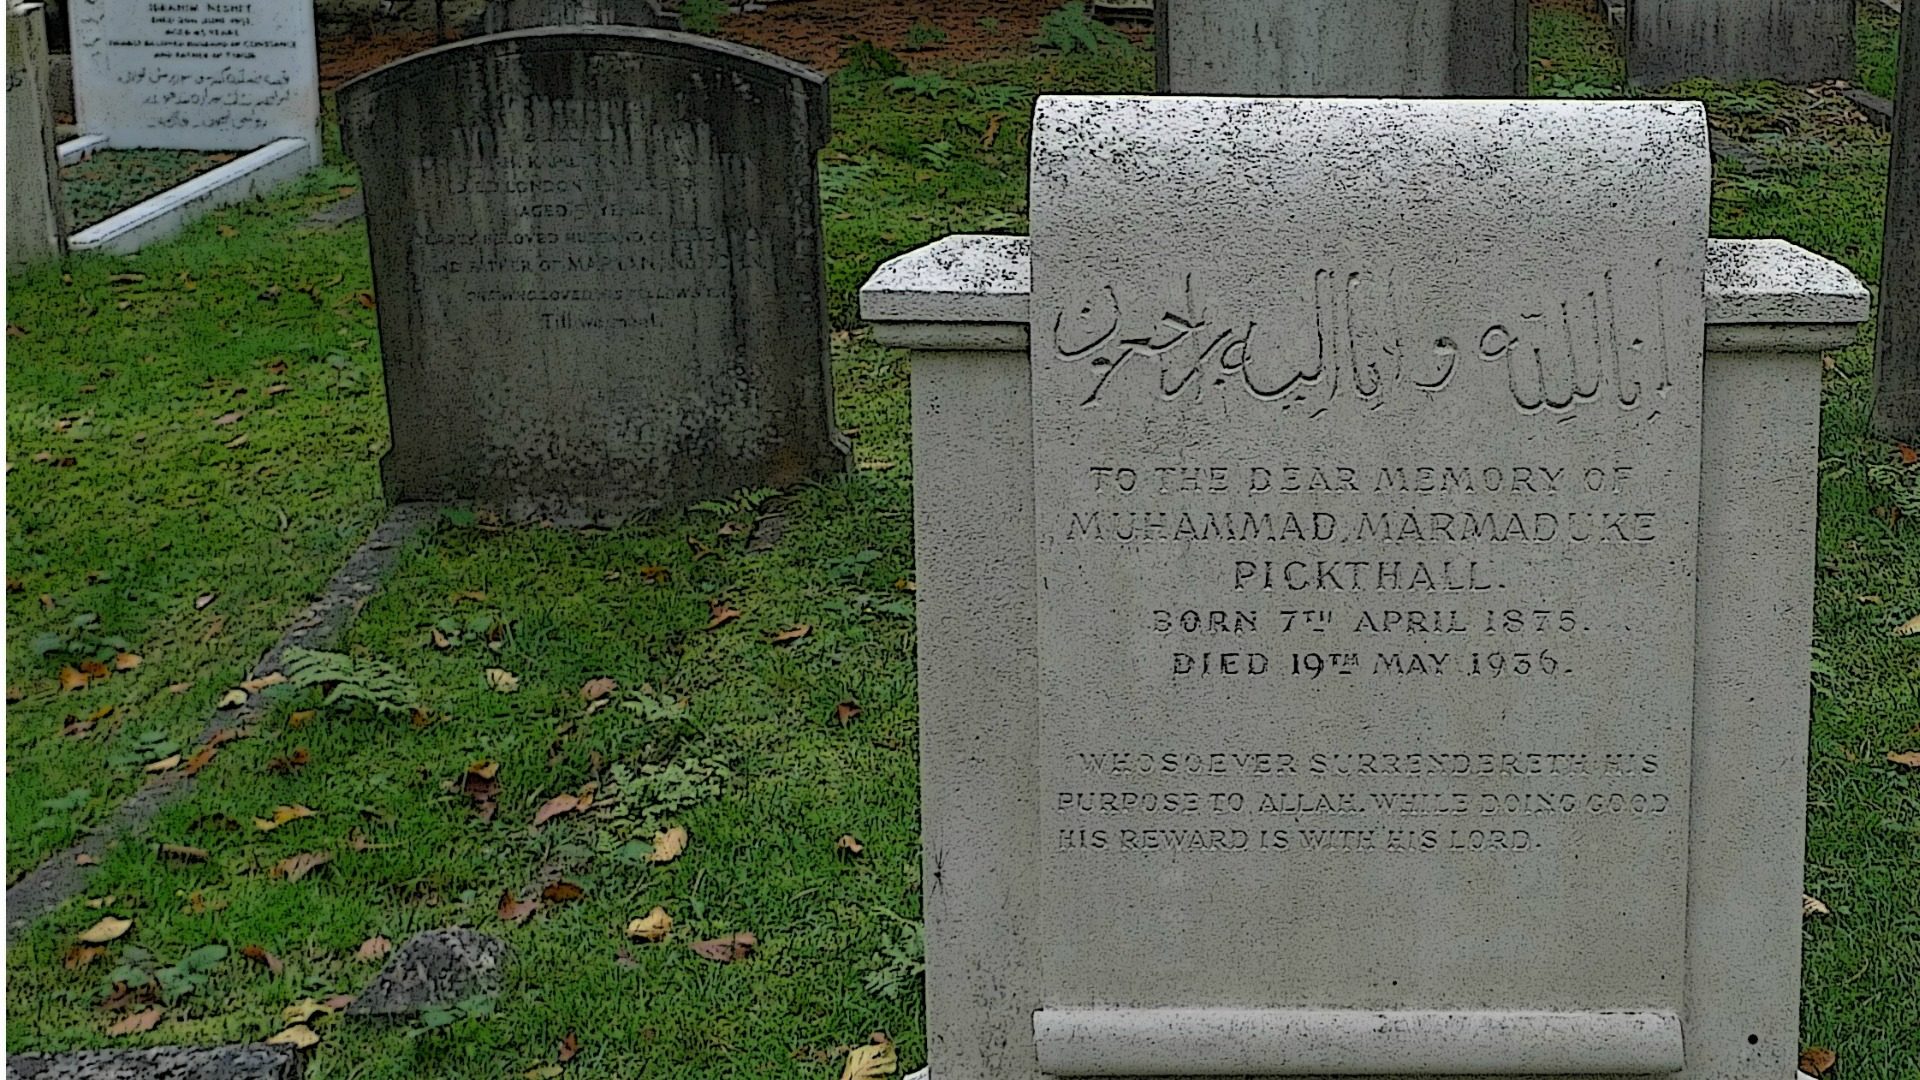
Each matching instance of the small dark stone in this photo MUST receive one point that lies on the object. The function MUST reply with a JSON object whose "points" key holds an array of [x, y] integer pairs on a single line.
{"points": [[435, 969], [253, 1061]]}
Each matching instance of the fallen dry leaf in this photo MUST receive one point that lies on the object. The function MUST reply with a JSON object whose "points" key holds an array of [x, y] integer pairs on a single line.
{"points": [[72, 679], [653, 927], [300, 718], [438, 639], [185, 853], [872, 1061], [272, 678], [846, 711], [727, 949], [1818, 1060], [470, 594], [516, 911], [179, 687], [502, 681], [137, 1023], [562, 892], [163, 764], [1910, 758], [569, 1046], [1908, 455], [81, 955], [485, 770], [668, 845], [338, 1002], [238, 441], [296, 760], [281, 815], [228, 418], [544, 1072], [654, 575], [224, 736], [200, 602], [721, 614], [1810, 906], [299, 1035], [233, 699], [84, 859], [554, 807], [199, 760], [295, 867], [304, 1010], [595, 689], [793, 633], [99, 902], [373, 949], [262, 957], [1908, 628], [126, 661], [107, 929], [847, 845]]}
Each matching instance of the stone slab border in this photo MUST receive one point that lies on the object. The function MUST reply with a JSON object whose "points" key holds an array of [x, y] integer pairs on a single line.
{"points": [[174, 209], [62, 877], [74, 151], [249, 1061]]}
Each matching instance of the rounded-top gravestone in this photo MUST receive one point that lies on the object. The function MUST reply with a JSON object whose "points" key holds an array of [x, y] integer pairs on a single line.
{"points": [[598, 262], [505, 15]]}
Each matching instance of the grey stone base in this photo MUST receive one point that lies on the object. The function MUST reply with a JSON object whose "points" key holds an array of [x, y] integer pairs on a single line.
{"points": [[253, 1061]]}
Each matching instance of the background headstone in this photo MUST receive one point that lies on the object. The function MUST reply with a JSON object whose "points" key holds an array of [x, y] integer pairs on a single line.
{"points": [[206, 75], [1379, 48], [1896, 390], [1366, 541], [436, 968], [505, 15], [598, 260], [36, 217], [1794, 41]]}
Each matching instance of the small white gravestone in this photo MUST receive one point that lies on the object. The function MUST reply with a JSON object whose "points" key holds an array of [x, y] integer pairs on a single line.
{"points": [[196, 74]]}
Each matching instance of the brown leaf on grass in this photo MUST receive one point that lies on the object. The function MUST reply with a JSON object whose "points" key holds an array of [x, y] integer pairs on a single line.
{"points": [[107, 929], [562, 892], [300, 718], [163, 764], [136, 1023], [299, 1036], [72, 679], [846, 711], [439, 640], [281, 815], [1908, 455], [179, 687], [993, 132], [126, 661], [727, 949], [15, 694], [872, 1061], [1910, 759], [907, 585], [1818, 1060], [847, 845], [80, 956], [228, 418], [651, 927], [569, 1046], [595, 689], [296, 760], [262, 957], [272, 678], [1810, 906], [480, 786], [199, 760], [516, 911], [77, 728], [276, 388], [84, 859], [668, 845], [474, 595], [721, 613], [1908, 628], [338, 1002], [373, 949], [304, 1010], [793, 633], [224, 736], [200, 602], [554, 807], [185, 853], [295, 867], [654, 575], [502, 681], [237, 442]]}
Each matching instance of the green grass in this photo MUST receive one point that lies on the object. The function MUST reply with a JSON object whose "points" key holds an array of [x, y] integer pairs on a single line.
{"points": [[156, 503], [110, 181], [1877, 56]]}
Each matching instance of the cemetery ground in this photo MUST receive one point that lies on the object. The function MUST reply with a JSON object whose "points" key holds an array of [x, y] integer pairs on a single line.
{"points": [[194, 435]]}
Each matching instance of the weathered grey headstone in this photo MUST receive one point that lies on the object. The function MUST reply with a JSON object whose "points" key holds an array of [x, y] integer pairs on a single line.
{"points": [[599, 267], [435, 968], [1379, 48], [504, 15], [36, 216], [198, 75], [1896, 390], [1794, 41], [253, 1061]]}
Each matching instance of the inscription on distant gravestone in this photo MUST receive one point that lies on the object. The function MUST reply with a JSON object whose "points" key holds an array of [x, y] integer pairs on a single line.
{"points": [[597, 254], [1366, 543], [195, 74]]}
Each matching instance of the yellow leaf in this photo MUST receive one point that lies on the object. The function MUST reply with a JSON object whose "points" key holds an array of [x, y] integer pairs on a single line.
{"points": [[795, 633], [502, 680], [254, 686], [281, 815], [233, 699], [848, 845], [653, 927], [544, 1072], [302, 1011], [164, 764], [1911, 759], [299, 1035], [485, 770], [71, 679], [107, 929], [668, 845], [126, 661], [1810, 906], [1908, 628], [872, 1061]]}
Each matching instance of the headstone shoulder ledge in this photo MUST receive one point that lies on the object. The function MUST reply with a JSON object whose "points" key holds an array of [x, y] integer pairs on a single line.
{"points": [[978, 278]]}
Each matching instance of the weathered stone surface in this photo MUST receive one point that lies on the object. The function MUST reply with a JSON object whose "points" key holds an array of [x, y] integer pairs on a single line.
{"points": [[505, 15], [1380, 48], [1794, 41], [254, 1061], [36, 217], [599, 267], [187, 76], [1896, 389], [435, 968]]}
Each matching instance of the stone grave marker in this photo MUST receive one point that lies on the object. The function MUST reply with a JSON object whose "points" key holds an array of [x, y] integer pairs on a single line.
{"points": [[196, 74], [1379, 48], [1896, 396], [36, 216], [505, 15], [598, 260], [1794, 41]]}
